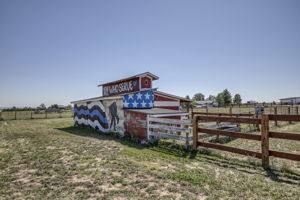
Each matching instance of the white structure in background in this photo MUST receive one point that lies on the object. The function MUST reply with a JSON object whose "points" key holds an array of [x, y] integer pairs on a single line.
{"points": [[206, 103], [291, 100]]}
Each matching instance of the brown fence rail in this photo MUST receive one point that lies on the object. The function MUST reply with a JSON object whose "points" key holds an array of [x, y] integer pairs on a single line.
{"points": [[231, 119], [263, 137], [225, 114]]}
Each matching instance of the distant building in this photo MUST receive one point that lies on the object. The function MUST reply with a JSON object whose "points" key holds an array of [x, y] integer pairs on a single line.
{"points": [[61, 107], [291, 100], [251, 102]]}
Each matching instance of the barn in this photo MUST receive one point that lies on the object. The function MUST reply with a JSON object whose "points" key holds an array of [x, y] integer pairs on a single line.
{"points": [[290, 100], [126, 105]]}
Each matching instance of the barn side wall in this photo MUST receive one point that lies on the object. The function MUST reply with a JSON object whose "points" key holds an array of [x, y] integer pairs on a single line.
{"points": [[166, 102], [105, 116], [136, 125], [115, 115]]}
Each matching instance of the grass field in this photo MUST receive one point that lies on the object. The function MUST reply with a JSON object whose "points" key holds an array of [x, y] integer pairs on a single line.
{"points": [[49, 159], [12, 115]]}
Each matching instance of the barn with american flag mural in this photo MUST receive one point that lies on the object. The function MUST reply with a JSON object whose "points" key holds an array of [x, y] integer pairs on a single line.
{"points": [[126, 105]]}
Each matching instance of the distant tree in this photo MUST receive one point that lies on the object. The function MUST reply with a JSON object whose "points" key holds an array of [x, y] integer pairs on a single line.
{"points": [[198, 97], [227, 97], [54, 106], [237, 99], [69, 107], [220, 99], [42, 106], [211, 98], [188, 97]]}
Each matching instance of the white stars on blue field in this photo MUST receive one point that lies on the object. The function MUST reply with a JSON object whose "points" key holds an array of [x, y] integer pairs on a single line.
{"points": [[144, 99]]}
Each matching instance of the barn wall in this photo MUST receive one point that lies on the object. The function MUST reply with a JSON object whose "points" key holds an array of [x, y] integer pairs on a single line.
{"points": [[146, 82], [80, 114], [115, 115], [106, 116], [136, 125], [166, 102]]}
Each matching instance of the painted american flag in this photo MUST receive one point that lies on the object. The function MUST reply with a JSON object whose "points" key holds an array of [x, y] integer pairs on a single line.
{"points": [[142, 99]]}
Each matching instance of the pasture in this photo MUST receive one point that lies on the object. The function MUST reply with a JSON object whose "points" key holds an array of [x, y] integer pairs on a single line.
{"points": [[48, 158], [16, 115]]}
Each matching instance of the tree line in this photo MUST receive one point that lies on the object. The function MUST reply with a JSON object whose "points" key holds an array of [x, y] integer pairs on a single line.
{"points": [[41, 107], [222, 98]]}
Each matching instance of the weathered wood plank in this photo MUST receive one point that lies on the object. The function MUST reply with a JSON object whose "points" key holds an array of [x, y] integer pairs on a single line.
{"points": [[169, 136], [230, 134], [290, 156], [231, 119], [225, 114], [170, 128], [230, 149], [295, 118], [170, 121], [214, 126], [287, 136]]}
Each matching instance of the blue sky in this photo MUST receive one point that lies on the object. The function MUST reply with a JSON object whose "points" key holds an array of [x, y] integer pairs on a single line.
{"points": [[58, 51]]}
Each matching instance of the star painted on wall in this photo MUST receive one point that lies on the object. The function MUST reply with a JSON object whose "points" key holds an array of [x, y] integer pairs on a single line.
{"points": [[130, 96], [147, 95], [126, 104], [139, 96], [143, 104], [134, 104]]}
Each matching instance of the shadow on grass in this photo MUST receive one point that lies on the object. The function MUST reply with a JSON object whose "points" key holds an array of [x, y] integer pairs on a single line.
{"points": [[87, 132], [202, 155]]}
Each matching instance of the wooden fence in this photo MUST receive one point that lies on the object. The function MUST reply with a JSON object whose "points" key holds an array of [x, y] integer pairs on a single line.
{"points": [[263, 138], [169, 128], [43, 114], [275, 109]]}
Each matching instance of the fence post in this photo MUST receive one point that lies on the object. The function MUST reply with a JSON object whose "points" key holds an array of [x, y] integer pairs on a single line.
{"points": [[289, 112], [265, 141], [206, 108], [45, 114], [297, 110], [15, 115], [275, 112], [1, 116], [31, 115], [230, 110], [195, 132]]}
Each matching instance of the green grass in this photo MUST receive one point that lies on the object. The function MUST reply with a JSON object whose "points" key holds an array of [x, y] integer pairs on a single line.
{"points": [[12, 115], [50, 159]]}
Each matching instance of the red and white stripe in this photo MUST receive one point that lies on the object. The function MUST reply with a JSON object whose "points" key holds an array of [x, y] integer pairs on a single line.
{"points": [[161, 101]]}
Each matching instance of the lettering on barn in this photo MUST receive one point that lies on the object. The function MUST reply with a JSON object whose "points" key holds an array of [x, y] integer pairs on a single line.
{"points": [[126, 105], [120, 88]]}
